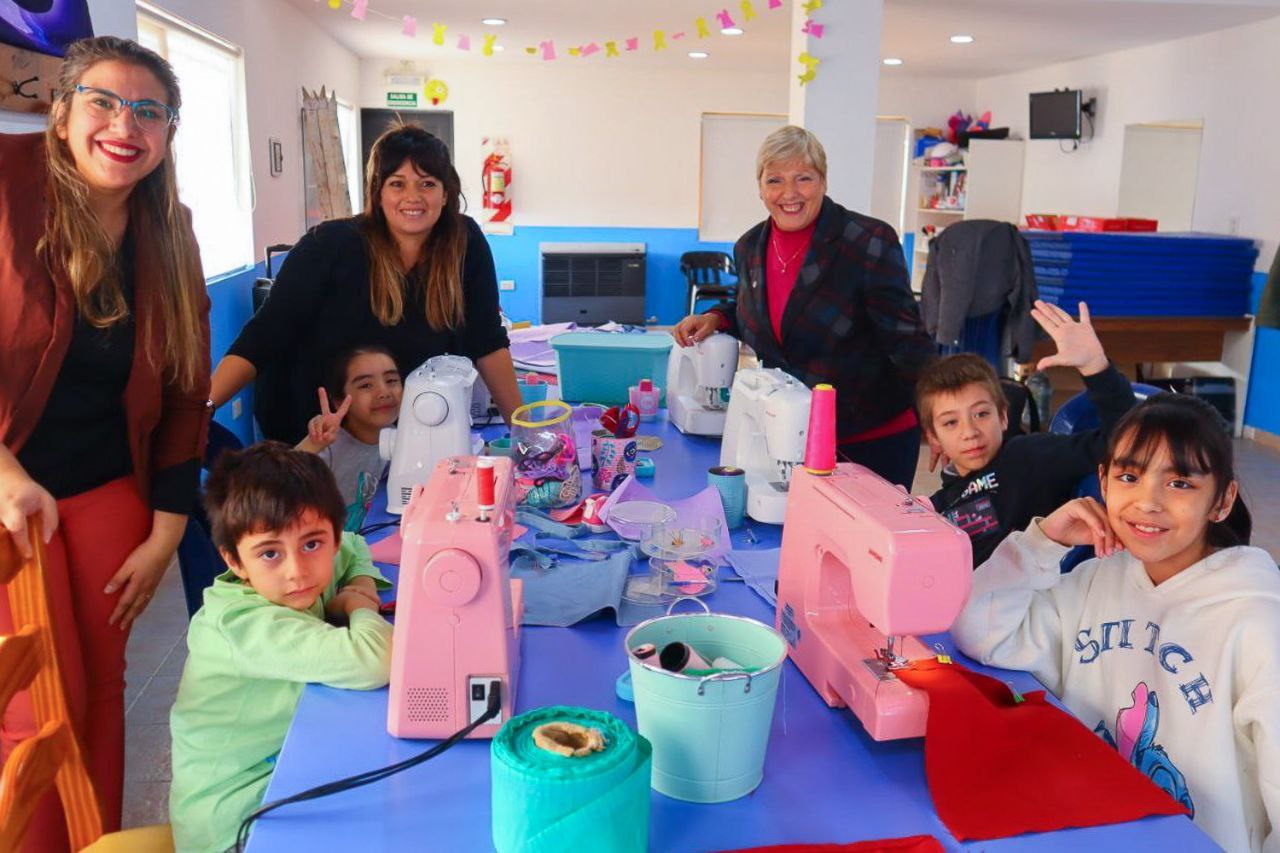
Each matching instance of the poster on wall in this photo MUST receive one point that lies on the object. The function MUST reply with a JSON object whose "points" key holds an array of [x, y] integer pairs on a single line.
{"points": [[33, 35]]}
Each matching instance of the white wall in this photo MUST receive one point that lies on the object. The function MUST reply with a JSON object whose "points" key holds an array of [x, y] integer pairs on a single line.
{"points": [[929, 101], [1223, 78], [109, 18], [283, 51], [591, 145]]}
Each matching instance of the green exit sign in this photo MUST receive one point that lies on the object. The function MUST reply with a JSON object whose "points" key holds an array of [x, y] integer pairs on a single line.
{"points": [[402, 99]]}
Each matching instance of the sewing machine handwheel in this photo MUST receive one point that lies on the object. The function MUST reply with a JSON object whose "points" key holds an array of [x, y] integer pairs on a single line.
{"points": [[451, 578], [430, 408]]}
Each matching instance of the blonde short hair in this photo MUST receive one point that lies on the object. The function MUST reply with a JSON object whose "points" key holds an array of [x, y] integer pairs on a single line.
{"points": [[792, 143]]}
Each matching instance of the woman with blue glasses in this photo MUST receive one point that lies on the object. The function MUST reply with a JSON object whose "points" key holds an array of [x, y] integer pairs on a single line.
{"points": [[104, 342]]}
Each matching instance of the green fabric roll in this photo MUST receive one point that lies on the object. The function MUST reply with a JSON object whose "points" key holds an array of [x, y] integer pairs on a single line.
{"points": [[543, 802]]}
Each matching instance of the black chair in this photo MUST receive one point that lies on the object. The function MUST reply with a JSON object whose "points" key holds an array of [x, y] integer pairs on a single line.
{"points": [[198, 560], [704, 272], [262, 287]]}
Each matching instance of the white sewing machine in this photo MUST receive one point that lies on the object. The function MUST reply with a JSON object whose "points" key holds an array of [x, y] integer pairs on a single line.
{"points": [[435, 423], [764, 434], [698, 380], [863, 566]]}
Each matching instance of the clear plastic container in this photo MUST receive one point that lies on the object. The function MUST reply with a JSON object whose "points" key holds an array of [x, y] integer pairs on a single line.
{"points": [[545, 454], [678, 562]]}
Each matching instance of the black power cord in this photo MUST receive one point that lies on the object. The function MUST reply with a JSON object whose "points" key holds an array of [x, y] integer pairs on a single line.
{"points": [[370, 776]]}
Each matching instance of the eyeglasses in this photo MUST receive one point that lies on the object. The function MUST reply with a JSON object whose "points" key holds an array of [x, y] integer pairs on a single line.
{"points": [[151, 116]]}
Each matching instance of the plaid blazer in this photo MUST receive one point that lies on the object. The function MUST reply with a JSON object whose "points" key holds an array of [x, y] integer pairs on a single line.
{"points": [[851, 319]]}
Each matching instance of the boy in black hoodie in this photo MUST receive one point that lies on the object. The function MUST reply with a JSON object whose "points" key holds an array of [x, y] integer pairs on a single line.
{"points": [[991, 487]]}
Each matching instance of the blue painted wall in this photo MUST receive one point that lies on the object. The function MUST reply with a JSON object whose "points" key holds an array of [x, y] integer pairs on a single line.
{"points": [[1263, 408], [232, 304], [666, 292]]}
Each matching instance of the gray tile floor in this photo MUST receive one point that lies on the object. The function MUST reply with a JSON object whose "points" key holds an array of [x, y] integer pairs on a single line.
{"points": [[158, 647]]}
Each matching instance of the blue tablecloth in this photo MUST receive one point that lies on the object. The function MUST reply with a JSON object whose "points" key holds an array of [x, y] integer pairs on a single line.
{"points": [[825, 779]]}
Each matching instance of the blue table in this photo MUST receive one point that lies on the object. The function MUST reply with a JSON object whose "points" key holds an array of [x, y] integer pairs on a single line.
{"points": [[825, 780]]}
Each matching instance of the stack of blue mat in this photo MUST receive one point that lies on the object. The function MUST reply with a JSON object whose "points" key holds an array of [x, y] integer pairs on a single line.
{"points": [[1132, 275]]}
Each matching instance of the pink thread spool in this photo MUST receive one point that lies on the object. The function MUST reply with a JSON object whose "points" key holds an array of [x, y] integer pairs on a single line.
{"points": [[645, 397], [820, 444]]}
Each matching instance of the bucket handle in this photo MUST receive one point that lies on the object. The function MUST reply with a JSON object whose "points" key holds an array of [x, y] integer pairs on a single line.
{"points": [[724, 676], [692, 598]]}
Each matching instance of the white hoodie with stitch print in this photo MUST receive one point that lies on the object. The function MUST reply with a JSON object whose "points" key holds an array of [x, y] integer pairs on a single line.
{"points": [[1183, 678]]}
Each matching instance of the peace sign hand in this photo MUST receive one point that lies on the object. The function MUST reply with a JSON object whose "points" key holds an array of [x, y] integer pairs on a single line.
{"points": [[322, 430], [1078, 344]]}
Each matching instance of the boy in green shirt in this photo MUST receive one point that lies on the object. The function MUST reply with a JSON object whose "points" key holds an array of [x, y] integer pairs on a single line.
{"points": [[299, 605]]}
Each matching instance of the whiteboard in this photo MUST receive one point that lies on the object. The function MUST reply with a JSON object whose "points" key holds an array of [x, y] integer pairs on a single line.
{"points": [[728, 194]]}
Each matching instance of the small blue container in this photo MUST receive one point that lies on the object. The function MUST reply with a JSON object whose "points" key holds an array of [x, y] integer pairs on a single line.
{"points": [[601, 367], [731, 483]]}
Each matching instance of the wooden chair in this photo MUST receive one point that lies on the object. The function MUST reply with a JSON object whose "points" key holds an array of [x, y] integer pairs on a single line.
{"points": [[52, 755]]}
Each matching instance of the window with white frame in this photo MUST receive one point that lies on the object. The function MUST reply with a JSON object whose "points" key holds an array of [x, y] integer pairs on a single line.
{"points": [[211, 145], [349, 134]]}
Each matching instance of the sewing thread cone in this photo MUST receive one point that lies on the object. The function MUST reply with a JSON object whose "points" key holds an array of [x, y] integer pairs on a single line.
{"points": [[820, 442]]}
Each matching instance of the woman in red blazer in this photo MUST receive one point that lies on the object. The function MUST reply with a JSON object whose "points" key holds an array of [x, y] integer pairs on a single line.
{"points": [[104, 342]]}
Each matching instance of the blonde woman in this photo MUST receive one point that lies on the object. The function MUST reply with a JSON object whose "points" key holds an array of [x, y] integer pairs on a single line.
{"points": [[823, 294], [411, 274], [104, 348]]}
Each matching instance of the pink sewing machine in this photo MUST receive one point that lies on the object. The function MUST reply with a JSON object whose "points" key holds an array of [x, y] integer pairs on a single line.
{"points": [[458, 611], [863, 566]]}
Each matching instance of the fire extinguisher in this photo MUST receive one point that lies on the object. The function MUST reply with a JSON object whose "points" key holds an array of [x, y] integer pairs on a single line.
{"points": [[496, 180]]}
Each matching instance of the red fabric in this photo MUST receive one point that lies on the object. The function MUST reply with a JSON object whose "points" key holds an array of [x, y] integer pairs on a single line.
{"points": [[904, 421], [998, 768], [96, 531], [786, 248], [913, 844]]}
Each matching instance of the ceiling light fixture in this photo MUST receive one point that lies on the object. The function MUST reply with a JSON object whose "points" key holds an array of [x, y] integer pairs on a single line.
{"points": [[698, 54], [961, 38], [891, 60], [731, 31], [493, 22]]}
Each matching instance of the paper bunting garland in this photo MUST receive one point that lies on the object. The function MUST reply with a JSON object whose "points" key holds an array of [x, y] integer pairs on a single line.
{"points": [[810, 64], [611, 48]]}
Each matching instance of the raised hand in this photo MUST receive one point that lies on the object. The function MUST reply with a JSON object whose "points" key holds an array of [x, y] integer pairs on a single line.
{"points": [[1077, 342], [322, 430]]}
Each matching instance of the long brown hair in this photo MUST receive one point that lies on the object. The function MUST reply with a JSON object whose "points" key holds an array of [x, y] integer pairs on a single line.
{"points": [[77, 245], [439, 272]]}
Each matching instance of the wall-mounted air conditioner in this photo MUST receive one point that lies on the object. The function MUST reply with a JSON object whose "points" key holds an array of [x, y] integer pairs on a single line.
{"points": [[592, 283]]}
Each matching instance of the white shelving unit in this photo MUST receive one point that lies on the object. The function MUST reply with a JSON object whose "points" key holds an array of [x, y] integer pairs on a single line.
{"points": [[992, 173]]}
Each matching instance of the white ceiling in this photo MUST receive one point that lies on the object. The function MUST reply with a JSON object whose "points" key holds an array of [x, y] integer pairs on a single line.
{"points": [[1010, 35]]}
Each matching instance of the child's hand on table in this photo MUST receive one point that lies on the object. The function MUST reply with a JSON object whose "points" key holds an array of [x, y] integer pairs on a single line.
{"points": [[1077, 342], [1082, 521]]}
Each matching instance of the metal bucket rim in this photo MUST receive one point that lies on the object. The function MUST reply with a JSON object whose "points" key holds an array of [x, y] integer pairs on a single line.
{"points": [[697, 678]]}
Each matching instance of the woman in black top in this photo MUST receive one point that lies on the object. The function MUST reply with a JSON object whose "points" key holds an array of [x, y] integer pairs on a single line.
{"points": [[412, 273]]}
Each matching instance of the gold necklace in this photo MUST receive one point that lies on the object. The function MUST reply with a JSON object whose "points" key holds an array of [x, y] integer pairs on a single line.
{"points": [[774, 242]]}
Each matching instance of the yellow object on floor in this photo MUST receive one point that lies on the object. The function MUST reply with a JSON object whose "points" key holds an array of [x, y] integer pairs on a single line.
{"points": [[144, 839]]}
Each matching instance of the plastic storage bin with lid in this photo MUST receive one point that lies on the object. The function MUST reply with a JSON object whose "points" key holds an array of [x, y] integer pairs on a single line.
{"points": [[600, 367]]}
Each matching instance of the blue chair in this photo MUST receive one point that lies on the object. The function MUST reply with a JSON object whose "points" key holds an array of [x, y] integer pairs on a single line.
{"points": [[198, 560], [1080, 415]]}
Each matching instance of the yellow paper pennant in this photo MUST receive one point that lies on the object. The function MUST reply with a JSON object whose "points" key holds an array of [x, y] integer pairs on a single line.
{"points": [[810, 63], [748, 11], [659, 40], [488, 45], [611, 49], [575, 51], [811, 6], [335, 4], [531, 50], [438, 33], [703, 30]]}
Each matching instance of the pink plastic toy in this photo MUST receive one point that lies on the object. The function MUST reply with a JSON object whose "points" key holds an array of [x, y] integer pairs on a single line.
{"points": [[457, 611], [858, 552]]}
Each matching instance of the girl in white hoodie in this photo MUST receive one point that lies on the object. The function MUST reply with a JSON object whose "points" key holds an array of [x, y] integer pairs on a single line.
{"points": [[1168, 643]]}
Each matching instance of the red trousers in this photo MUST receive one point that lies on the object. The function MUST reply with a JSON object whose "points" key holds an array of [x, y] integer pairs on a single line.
{"points": [[96, 531]]}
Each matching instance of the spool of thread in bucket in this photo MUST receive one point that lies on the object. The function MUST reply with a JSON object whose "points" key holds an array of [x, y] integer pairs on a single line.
{"points": [[731, 483]]}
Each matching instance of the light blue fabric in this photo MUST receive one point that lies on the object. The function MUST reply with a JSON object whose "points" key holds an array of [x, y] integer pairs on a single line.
{"points": [[759, 569], [570, 590], [539, 521]]}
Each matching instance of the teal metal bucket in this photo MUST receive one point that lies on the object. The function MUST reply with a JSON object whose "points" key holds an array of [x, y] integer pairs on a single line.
{"points": [[709, 733]]}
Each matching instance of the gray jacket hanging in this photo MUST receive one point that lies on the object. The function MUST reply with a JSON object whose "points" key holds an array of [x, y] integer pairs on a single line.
{"points": [[979, 267]]}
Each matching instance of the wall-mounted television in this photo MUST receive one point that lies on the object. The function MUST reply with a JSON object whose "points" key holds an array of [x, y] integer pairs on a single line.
{"points": [[1056, 115]]}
